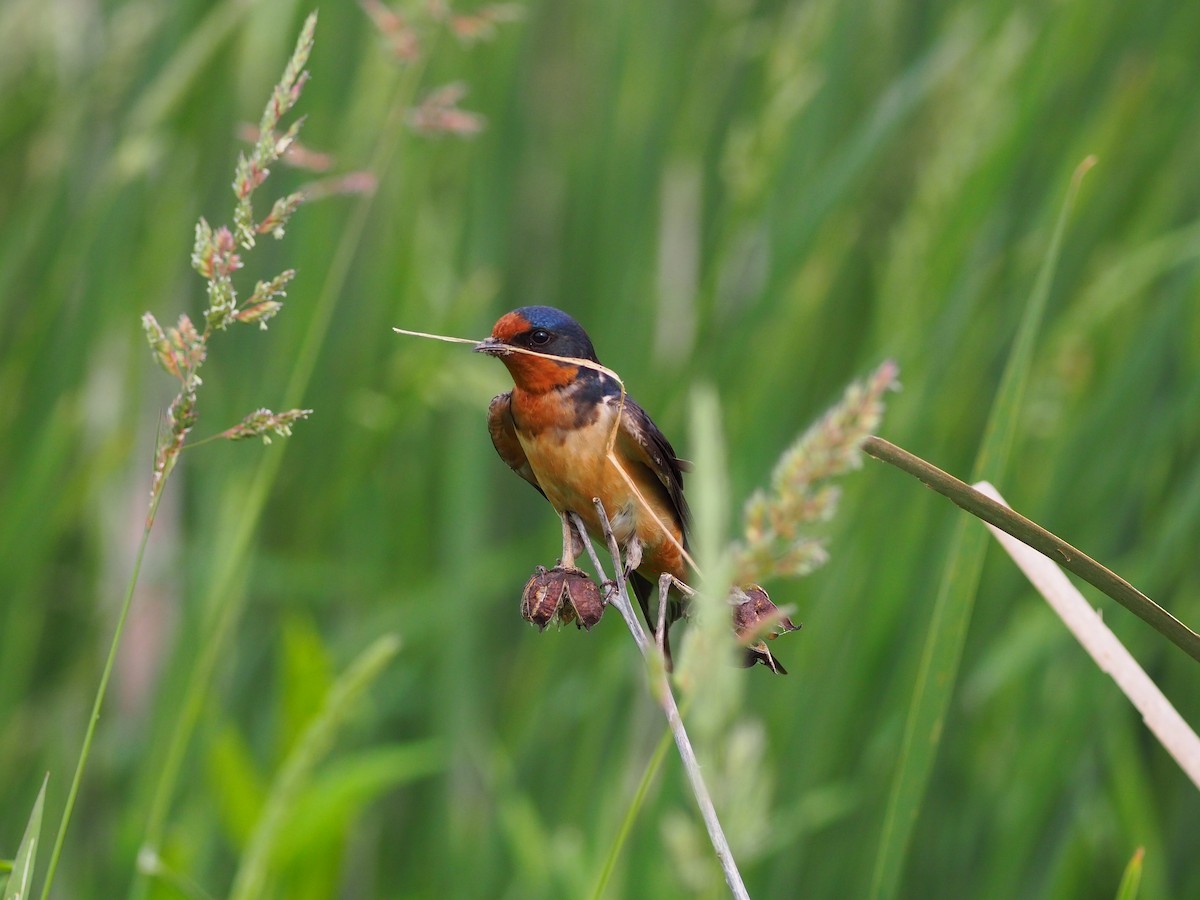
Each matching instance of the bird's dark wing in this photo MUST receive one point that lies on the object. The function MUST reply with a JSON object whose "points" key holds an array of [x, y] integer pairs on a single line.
{"points": [[641, 440], [504, 438]]}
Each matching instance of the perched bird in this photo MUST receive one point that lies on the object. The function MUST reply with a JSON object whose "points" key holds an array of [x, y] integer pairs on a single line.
{"points": [[554, 429]]}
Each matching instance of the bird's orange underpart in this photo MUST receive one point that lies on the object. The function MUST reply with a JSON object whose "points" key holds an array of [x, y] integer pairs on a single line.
{"points": [[665, 556], [662, 541], [540, 411], [573, 471], [536, 374]]}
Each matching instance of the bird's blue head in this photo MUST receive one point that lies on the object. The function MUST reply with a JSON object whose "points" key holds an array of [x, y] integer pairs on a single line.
{"points": [[542, 329]]}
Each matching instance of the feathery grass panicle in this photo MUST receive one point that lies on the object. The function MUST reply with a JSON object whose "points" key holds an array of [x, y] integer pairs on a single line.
{"points": [[214, 256], [262, 422], [253, 170], [775, 541], [480, 25], [411, 34], [731, 746], [439, 113], [182, 349]]}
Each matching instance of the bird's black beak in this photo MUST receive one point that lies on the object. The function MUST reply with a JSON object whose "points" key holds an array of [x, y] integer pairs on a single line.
{"points": [[492, 347]]}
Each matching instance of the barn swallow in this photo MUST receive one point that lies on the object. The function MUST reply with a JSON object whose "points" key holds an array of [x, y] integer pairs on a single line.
{"points": [[554, 430]]}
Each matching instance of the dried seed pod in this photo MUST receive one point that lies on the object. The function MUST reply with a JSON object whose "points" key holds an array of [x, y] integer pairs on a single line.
{"points": [[755, 615], [561, 595], [583, 598], [543, 596]]}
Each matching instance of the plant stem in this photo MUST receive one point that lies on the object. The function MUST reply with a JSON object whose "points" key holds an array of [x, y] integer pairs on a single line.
{"points": [[635, 805], [1037, 537], [101, 690], [662, 688]]}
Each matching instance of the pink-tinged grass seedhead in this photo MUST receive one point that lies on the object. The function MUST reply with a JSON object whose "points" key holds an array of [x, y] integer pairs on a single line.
{"points": [[776, 540], [217, 255]]}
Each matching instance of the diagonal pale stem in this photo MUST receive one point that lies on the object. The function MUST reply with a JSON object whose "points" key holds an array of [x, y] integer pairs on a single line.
{"points": [[1037, 537], [666, 699]]}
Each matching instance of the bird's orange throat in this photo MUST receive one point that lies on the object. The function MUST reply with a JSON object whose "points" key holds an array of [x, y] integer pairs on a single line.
{"points": [[536, 374]]}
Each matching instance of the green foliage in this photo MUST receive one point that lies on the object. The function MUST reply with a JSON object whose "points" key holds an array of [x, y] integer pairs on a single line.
{"points": [[1131, 879], [20, 871], [296, 772], [959, 583], [768, 198]]}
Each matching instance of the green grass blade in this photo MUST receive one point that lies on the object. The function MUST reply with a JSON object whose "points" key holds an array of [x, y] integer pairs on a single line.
{"points": [[631, 814], [296, 771], [21, 877], [1002, 423], [942, 653], [1132, 879], [180, 73], [323, 810]]}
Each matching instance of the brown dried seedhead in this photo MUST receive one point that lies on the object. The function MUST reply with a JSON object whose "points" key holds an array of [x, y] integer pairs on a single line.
{"points": [[755, 616], [563, 593]]}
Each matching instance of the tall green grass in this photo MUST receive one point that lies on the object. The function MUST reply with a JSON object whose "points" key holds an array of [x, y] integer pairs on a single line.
{"points": [[765, 197]]}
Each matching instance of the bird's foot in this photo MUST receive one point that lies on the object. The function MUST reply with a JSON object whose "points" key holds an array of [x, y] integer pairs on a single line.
{"points": [[572, 543], [609, 589]]}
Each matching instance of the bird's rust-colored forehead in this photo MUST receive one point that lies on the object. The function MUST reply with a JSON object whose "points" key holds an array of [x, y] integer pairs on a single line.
{"points": [[509, 326]]}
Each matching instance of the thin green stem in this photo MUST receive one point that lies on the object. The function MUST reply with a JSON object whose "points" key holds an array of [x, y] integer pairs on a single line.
{"points": [[200, 443], [1037, 537], [224, 584], [631, 814], [101, 690]]}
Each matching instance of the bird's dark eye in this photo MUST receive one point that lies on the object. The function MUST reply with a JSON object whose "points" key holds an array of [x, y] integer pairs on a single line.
{"points": [[540, 336]]}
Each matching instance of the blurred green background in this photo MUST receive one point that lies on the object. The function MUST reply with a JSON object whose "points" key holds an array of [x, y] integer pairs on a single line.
{"points": [[766, 198]]}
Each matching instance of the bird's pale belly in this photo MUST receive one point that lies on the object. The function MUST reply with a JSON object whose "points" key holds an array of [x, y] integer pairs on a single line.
{"points": [[573, 469]]}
